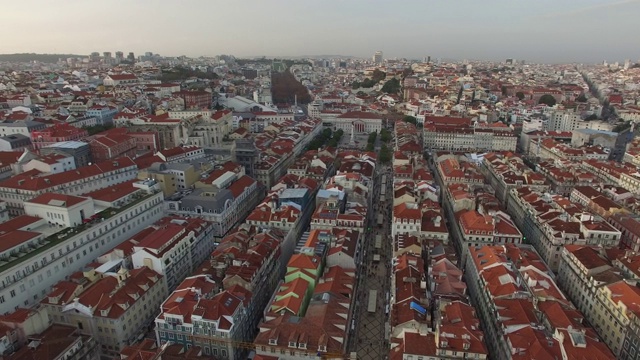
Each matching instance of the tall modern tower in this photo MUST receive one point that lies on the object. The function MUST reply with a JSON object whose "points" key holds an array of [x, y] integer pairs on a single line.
{"points": [[377, 57]]}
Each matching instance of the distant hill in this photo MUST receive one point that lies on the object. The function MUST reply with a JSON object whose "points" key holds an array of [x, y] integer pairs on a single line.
{"points": [[45, 58]]}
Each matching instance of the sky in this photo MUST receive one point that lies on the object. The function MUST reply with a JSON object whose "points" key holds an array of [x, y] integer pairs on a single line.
{"points": [[549, 31]]}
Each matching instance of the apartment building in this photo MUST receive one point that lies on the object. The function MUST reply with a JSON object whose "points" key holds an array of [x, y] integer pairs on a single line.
{"points": [[25, 128], [170, 131], [521, 307], [569, 120], [114, 308], [24, 187], [196, 314], [459, 134], [40, 253], [224, 206], [320, 330], [599, 289], [475, 229], [359, 122], [550, 149], [148, 349], [208, 128], [506, 171], [252, 260], [58, 133], [19, 326], [58, 342], [552, 221], [173, 247]]}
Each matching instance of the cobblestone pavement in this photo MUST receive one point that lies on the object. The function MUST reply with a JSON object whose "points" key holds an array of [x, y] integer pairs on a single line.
{"points": [[369, 339]]}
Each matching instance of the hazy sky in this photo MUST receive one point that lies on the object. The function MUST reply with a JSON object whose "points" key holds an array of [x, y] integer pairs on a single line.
{"points": [[534, 30]]}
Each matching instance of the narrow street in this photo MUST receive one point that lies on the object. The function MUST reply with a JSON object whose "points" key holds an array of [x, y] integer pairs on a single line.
{"points": [[370, 340]]}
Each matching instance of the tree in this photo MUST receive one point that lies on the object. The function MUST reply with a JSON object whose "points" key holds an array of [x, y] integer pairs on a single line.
{"points": [[392, 86], [385, 154], [591, 117], [520, 95], [581, 98], [378, 75], [369, 147], [92, 130], [372, 138], [285, 88], [385, 135], [410, 119], [547, 100]]}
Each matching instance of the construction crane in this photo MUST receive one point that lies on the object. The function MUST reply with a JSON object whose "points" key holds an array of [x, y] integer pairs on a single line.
{"points": [[252, 346]]}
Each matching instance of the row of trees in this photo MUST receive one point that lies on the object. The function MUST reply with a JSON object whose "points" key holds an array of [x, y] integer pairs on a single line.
{"points": [[320, 140], [181, 73], [92, 130], [335, 140], [326, 138], [385, 154], [371, 141], [385, 135], [285, 88]]}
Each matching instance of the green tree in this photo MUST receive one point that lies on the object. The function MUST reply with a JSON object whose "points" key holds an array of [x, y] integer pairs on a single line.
{"points": [[369, 147], [92, 130], [385, 135], [392, 86], [520, 95], [547, 100], [372, 138], [385, 154], [410, 119], [591, 117], [378, 75], [581, 98]]}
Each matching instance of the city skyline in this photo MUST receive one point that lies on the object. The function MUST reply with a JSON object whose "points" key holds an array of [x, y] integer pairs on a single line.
{"points": [[544, 31]]}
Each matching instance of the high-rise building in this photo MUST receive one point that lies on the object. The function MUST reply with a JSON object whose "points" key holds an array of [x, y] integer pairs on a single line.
{"points": [[94, 57], [131, 57], [119, 57], [107, 57], [377, 57]]}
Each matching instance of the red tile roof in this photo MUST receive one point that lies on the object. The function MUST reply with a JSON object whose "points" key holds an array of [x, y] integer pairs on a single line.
{"points": [[60, 200]]}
